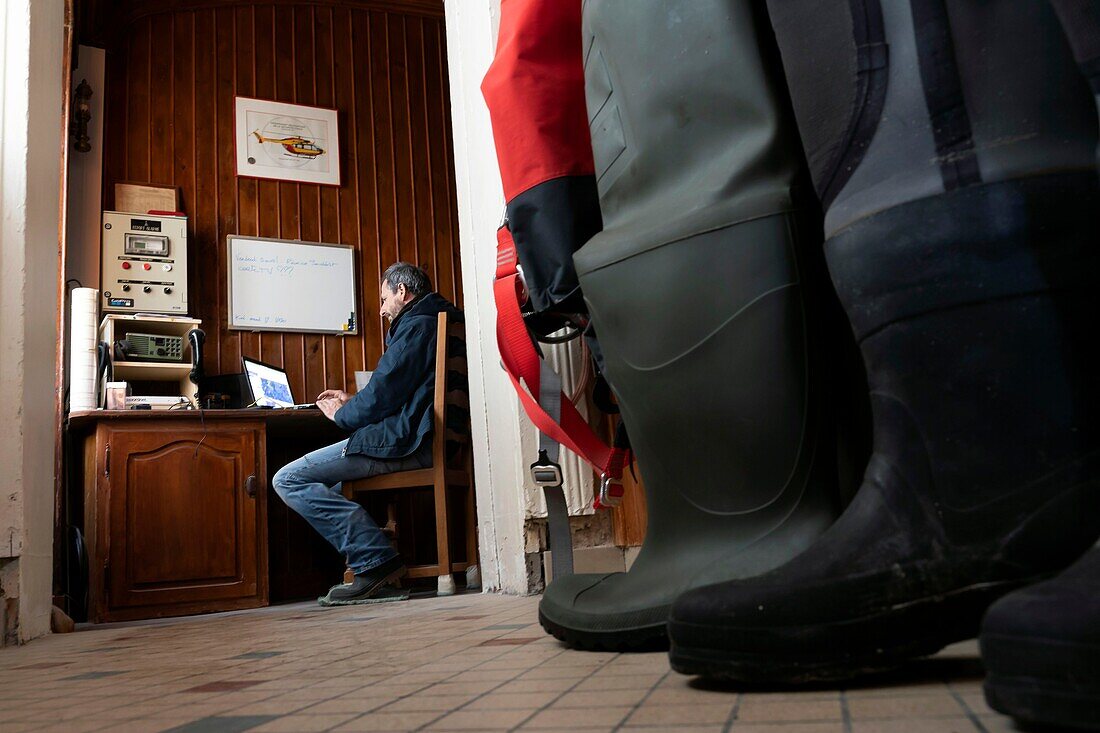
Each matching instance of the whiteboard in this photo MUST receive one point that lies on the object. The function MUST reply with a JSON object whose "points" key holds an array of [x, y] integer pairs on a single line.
{"points": [[280, 285]]}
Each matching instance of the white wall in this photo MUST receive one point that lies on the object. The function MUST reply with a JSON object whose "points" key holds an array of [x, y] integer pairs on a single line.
{"points": [[31, 41]]}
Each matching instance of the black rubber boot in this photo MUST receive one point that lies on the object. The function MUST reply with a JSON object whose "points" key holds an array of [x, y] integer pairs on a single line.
{"points": [[703, 296], [975, 312], [1041, 648]]}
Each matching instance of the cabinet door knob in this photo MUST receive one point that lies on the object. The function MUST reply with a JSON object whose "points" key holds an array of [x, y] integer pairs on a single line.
{"points": [[250, 486]]}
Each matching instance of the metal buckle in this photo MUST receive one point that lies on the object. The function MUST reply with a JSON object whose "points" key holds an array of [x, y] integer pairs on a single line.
{"points": [[607, 498], [544, 472]]}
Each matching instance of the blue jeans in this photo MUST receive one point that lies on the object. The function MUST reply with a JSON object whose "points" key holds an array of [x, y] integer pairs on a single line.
{"points": [[311, 487]]}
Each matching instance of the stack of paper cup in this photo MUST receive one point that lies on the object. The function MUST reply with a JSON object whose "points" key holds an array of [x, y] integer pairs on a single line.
{"points": [[83, 331]]}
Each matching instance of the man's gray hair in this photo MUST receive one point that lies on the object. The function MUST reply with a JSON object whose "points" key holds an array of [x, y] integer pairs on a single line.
{"points": [[415, 280]]}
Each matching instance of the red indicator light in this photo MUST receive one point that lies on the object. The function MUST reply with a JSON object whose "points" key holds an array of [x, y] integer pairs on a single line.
{"points": [[125, 265]]}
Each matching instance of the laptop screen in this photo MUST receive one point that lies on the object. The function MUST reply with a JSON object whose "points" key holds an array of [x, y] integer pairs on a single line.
{"points": [[270, 386]]}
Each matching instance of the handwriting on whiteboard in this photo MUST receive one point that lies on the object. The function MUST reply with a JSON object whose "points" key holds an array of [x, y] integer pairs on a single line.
{"points": [[277, 265]]}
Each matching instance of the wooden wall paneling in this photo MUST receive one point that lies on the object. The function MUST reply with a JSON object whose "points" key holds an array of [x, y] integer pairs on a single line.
{"points": [[160, 95], [248, 212], [425, 211], [229, 342], [384, 174], [332, 358], [419, 131], [202, 212], [289, 213], [437, 159], [447, 168], [366, 132], [344, 69], [403, 182], [309, 202], [183, 118], [267, 191], [138, 70], [419, 216], [438, 126]]}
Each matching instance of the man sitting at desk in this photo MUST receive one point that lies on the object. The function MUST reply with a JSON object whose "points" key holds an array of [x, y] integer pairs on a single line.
{"points": [[392, 421]]}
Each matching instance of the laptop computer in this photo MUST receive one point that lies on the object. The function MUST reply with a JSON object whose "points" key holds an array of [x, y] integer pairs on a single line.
{"points": [[269, 386]]}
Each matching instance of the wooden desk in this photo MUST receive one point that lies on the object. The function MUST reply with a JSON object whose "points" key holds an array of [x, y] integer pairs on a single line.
{"points": [[178, 513]]}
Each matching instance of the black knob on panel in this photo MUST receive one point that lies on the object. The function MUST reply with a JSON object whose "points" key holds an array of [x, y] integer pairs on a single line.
{"points": [[167, 291], [125, 288], [146, 289]]}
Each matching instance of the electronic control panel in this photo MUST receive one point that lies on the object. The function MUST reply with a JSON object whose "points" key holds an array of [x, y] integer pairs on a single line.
{"points": [[144, 265]]}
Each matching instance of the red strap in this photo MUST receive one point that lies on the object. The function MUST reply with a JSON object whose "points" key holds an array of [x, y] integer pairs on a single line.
{"points": [[521, 361]]}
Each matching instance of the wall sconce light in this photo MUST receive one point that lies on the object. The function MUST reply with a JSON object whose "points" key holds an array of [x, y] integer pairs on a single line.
{"points": [[83, 114]]}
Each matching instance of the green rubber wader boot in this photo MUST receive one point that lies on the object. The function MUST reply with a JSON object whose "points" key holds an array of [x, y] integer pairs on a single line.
{"points": [[704, 290]]}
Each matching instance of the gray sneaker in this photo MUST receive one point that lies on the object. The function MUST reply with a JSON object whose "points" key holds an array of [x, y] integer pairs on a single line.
{"points": [[371, 585]]}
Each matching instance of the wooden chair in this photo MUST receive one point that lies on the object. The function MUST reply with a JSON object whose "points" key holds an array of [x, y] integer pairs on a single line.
{"points": [[452, 459]]}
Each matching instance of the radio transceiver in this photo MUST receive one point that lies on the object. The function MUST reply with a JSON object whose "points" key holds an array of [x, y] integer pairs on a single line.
{"points": [[154, 347], [144, 265]]}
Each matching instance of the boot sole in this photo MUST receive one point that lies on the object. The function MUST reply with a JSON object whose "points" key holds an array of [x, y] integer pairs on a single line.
{"points": [[947, 619], [640, 639], [1044, 681]]}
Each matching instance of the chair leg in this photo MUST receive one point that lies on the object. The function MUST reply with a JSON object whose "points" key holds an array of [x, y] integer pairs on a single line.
{"points": [[446, 584]]}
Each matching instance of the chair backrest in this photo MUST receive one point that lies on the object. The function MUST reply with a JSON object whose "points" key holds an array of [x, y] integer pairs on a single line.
{"points": [[451, 438]]}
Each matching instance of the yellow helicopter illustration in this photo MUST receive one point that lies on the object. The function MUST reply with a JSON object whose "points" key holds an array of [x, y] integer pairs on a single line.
{"points": [[298, 146]]}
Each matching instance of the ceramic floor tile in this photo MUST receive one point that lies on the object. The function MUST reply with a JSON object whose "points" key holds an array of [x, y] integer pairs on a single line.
{"points": [[755, 710], [703, 714], [916, 725], [222, 724], [554, 717], [622, 682], [680, 729], [303, 723], [512, 701], [426, 703], [582, 698], [559, 684], [831, 727], [152, 725], [477, 662], [924, 706], [387, 722], [480, 720]]}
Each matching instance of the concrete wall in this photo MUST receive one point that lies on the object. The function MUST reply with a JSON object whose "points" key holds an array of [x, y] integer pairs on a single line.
{"points": [[31, 41]]}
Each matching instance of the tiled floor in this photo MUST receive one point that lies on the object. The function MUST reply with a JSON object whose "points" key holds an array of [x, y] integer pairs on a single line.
{"points": [[464, 663]]}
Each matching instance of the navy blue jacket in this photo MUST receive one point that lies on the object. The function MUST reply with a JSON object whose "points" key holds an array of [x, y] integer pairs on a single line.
{"points": [[392, 415]]}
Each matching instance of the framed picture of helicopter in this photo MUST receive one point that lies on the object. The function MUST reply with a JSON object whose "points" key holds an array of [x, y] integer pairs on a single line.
{"points": [[287, 142]]}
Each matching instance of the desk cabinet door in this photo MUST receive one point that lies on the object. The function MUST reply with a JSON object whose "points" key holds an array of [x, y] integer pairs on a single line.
{"points": [[186, 514]]}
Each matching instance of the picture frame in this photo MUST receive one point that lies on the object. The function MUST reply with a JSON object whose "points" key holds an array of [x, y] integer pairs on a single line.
{"points": [[286, 142]]}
